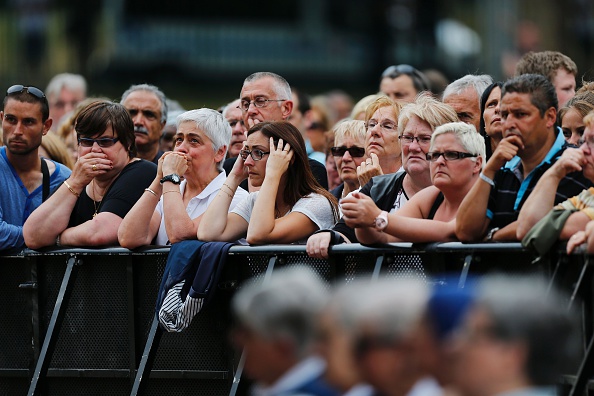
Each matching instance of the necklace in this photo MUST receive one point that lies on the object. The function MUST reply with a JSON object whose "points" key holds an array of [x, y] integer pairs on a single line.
{"points": [[95, 195]]}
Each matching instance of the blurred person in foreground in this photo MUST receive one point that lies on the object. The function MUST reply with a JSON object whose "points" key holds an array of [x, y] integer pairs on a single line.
{"points": [[107, 180], [64, 92], [188, 179], [456, 155], [52, 147], [518, 338], [276, 327], [416, 124], [336, 330], [389, 338], [26, 179], [290, 204]]}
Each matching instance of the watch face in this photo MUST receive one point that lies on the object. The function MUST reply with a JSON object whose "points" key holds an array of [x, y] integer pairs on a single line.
{"points": [[380, 223], [175, 178]]}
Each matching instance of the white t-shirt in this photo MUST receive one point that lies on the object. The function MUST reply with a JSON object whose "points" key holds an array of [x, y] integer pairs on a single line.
{"points": [[199, 203], [315, 206]]}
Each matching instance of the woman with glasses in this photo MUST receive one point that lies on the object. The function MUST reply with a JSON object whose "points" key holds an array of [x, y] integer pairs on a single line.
{"points": [[290, 205], [105, 183], [456, 156], [348, 152], [172, 208], [390, 192]]}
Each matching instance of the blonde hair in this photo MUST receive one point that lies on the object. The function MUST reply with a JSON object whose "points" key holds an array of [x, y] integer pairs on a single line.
{"points": [[382, 101], [57, 150], [354, 129], [428, 109], [361, 105]]}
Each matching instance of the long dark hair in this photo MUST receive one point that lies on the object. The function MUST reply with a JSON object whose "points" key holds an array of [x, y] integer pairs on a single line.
{"points": [[482, 130], [300, 179]]}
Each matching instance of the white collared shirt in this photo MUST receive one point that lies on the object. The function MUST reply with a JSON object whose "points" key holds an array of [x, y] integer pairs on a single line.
{"points": [[302, 372], [198, 204]]}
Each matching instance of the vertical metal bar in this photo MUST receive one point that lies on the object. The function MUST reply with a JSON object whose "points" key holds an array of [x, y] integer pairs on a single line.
{"points": [[579, 282], [464, 272], [379, 261], [36, 338], [130, 294], [148, 357], [241, 364], [583, 374], [53, 330]]}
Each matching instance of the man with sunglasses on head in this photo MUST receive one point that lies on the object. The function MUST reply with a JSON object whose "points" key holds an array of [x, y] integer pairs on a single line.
{"points": [[531, 145], [266, 96], [403, 82], [26, 179]]}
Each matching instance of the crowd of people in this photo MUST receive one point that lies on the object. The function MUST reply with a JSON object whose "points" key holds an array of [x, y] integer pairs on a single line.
{"points": [[483, 160]]}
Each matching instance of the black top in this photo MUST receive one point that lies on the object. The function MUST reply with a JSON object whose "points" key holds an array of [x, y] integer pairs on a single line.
{"points": [[318, 170], [123, 193]]}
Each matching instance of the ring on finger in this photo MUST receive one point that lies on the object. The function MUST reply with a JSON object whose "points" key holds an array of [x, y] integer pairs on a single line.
{"points": [[94, 167]]}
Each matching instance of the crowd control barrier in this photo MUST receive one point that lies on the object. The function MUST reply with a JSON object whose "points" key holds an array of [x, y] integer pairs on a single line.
{"points": [[82, 321]]}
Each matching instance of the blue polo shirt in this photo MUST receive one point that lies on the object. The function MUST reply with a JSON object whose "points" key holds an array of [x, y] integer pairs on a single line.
{"points": [[511, 189]]}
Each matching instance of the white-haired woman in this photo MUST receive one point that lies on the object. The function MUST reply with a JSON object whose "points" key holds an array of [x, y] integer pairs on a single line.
{"points": [[348, 152], [171, 208], [456, 154]]}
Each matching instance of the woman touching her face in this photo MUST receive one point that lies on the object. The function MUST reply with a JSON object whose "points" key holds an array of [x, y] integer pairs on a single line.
{"points": [[290, 205]]}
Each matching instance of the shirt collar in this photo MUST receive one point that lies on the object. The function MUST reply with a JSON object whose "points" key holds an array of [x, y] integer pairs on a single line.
{"points": [[514, 163], [213, 186]]}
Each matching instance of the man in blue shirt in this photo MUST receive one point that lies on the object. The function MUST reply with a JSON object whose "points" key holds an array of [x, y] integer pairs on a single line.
{"points": [[531, 144], [25, 120]]}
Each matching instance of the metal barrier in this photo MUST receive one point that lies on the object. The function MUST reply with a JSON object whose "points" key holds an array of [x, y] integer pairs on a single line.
{"points": [[82, 320]]}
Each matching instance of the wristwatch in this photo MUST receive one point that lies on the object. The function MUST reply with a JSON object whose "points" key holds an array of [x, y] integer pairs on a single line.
{"points": [[381, 221], [173, 178]]}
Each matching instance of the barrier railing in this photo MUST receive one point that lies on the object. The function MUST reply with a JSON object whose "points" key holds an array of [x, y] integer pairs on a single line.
{"points": [[82, 320]]}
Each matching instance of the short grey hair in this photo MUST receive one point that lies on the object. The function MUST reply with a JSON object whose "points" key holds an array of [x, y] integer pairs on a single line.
{"points": [[72, 82], [213, 124], [286, 306], [230, 106], [149, 88], [467, 136], [477, 82], [281, 86], [392, 307], [524, 309]]}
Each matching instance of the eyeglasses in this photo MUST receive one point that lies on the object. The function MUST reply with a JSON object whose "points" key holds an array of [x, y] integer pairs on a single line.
{"points": [[386, 125], [38, 93], [354, 151], [448, 155], [256, 154], [103, 142], [421, 140], [258, 103]]}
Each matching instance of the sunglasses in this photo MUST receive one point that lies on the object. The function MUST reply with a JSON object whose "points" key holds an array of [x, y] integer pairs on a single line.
{"points": [[354, 151], [38, 93], [103, 142]]}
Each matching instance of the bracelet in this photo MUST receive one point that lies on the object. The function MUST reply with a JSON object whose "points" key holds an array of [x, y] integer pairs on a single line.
{"points": [[487, 179], [58, 240], [152, 192], [491, 234], [71, 189], [228, 188], [225, 192], [177, 191]]}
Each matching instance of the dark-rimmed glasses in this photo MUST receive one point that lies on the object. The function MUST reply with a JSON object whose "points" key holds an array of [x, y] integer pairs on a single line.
{"points": [[102, 142], [421, 140], [354, 151], [448, 155], [38, 93], [258, 103], [256, 154]]}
